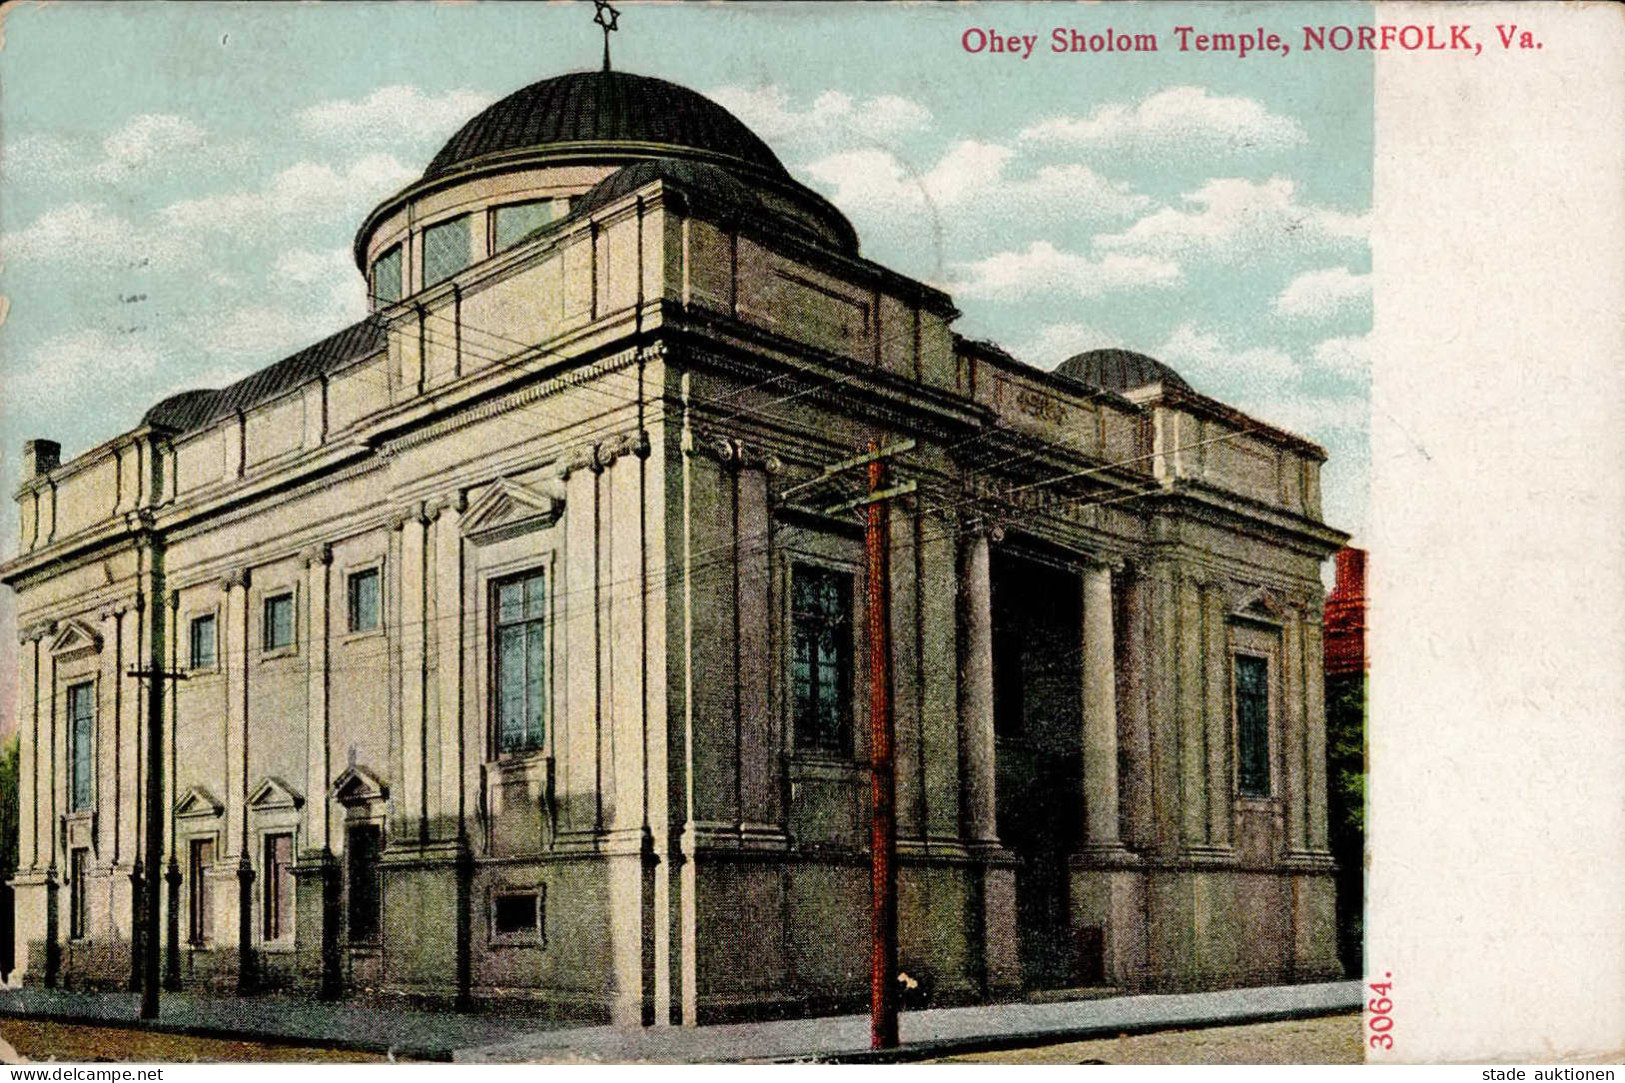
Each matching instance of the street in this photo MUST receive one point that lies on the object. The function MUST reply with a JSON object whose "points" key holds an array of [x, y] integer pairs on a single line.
{"points": [[1332, 1039]]}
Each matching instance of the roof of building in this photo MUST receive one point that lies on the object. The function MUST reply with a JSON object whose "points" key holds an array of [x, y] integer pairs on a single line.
{"points": [[1119, 370], [195, 409], [598, 107], [812, 217]]}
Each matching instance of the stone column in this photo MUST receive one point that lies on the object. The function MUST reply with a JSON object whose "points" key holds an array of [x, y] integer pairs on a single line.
{"points": [[318, 775], [234, 663], [448, 570], [1216, 656], [414, 536], [1315, 720], [976, 736], [27, 752], [1133, 709], [1291, 730], [1100, 798]]}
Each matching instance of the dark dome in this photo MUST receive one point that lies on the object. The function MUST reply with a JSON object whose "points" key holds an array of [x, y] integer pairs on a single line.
{"points": [[719, 184], [598, 107], [1119, 370], [791, 209]]}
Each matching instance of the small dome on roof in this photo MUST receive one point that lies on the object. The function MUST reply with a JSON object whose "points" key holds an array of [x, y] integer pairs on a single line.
{"points": [[793, 210], [594, 109], [1119, 370]]}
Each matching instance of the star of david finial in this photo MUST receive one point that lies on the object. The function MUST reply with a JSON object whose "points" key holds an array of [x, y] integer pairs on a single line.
{"points": [[608, 18]]}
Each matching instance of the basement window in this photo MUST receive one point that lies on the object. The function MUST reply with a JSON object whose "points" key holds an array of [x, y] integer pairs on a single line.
{"points": [[516, 916]]}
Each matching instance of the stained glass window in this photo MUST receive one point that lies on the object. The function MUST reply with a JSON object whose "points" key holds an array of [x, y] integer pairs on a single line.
{"points": [[386, 277], [516, 220], [203, 642], [445, 250], [521, 652], [1253, 725], [278, 629], [363, 601], [81, 735], [821, 659]]}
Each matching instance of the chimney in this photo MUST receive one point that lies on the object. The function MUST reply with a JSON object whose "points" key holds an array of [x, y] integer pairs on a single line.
{"points": [[40, 457]]}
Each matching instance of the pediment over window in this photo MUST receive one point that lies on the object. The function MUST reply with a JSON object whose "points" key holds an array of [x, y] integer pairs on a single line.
{"points": [[507, 508], [1258, 604], [273, 794], [198, 801], [75, 637], [358, 785]]}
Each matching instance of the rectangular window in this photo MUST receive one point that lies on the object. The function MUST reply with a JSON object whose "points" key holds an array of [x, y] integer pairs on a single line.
{"points": [[363, 591], [445, 250], [200, 913], [821, 658], [278, 630], [78, 861], [521, 662], [81, 743], [517, 220], [517, 915], [278, 889], [203, 642], [386, 277], [1253, 725], [364, 844]]}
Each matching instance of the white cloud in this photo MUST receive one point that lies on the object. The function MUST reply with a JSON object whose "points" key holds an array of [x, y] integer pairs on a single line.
{"points": [[307, 191], [1234, 220], [391, 115], [1207, 361], [834, 118], [304, 266], [1349, 358], [161, 141], [89, 235], [259, 330], [973, 175], [1183, 121], [147, 140], [70, 364], [331, 276], [1045, 270], [1323, 294], [1053, 343]]}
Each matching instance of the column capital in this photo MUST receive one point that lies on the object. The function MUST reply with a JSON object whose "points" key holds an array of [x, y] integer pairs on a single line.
{"points": [[174, 600], [319, 554], [415, 512], [236, 577]]}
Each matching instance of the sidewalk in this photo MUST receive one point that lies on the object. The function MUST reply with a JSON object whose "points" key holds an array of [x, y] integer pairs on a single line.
{"points": [[417, 1035], [512, 1038], [927, 1033]]}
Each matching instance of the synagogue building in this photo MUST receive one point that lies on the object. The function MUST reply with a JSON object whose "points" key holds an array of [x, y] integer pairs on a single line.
{"points": [[487, 658]]}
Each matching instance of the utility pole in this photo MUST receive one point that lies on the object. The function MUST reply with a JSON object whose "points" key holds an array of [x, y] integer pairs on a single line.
{"points": [[154, 847], [883, 986]]}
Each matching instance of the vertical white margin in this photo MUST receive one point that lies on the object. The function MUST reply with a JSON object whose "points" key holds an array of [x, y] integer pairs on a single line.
{"points": [[1497, 570]]}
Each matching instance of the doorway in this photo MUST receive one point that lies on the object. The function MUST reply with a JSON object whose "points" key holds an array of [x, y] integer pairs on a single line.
{"points": [[1037, 716]]}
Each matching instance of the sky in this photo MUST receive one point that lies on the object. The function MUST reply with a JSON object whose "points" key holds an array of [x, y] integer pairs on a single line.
{"points": [[177, 206]]}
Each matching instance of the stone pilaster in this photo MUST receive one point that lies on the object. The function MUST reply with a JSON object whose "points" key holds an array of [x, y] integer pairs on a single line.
{"points": [[1291, 756], [318, 773], [1315, 724], [976, 737], [1216, 685], [1133, 709], [235, 658], [1101, 802], [448, 629], [412, 811]]}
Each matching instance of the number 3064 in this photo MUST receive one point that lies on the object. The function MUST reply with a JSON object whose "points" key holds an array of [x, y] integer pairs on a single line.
{"points": [[1379, 1018]]}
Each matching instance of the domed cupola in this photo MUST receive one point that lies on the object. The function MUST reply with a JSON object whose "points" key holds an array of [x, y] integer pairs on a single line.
{"points": [[1119, 371], [598, 113], [526, 161]]}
